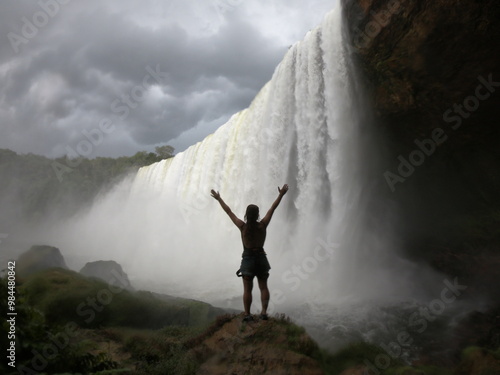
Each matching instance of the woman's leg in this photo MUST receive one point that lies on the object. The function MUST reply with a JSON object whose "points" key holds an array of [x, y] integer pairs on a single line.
{"points": [[247, 293], [264, 294]]}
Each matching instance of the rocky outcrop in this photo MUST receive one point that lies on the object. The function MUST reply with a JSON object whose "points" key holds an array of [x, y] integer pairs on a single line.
{"points": [[108, 271], [39, 258], [274, 346], [431, 69]]}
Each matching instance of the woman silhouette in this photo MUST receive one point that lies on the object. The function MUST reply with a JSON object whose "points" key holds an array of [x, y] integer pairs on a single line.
{"points": [[254, 260]]}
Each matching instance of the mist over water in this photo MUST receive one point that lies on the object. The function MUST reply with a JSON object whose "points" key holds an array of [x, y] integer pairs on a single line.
{"points": [[330, 242]]}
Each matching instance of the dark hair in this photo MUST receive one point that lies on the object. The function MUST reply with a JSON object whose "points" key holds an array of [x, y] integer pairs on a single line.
{"points": [[252, 214]]}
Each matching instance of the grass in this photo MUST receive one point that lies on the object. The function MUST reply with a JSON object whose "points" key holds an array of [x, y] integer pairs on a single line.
{"points": [[65, 296], [164, 351], [142, 327]]}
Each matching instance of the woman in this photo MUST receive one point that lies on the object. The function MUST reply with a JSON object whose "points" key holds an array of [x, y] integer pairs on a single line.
{"points": [[254, 262]]}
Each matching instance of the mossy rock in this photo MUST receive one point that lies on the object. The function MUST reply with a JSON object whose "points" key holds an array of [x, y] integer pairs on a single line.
{"points": [[39, 258]]}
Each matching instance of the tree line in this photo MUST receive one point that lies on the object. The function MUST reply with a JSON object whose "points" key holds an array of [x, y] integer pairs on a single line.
{"points": [[31, 187]]}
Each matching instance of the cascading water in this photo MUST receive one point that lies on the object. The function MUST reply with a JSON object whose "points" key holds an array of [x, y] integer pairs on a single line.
{"points": [[303, 128]]}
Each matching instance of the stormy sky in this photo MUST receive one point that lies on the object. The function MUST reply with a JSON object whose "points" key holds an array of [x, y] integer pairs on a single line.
{"points": [[129, 75]]}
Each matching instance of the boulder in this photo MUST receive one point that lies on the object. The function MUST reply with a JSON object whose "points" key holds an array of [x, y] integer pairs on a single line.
{"points": [[39, 258], [108, 271]]}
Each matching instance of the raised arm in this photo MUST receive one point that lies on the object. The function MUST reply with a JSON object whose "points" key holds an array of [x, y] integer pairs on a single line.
{"points": [[239, 223], [267, 219]]}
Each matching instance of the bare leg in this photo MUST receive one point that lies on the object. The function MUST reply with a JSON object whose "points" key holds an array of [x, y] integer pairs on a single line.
{"points": [[264, 294], [247, 293]]}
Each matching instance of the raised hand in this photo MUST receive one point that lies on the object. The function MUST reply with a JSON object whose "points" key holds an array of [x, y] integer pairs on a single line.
{"points": [[283, 190], [215, 194], [239, 223]]}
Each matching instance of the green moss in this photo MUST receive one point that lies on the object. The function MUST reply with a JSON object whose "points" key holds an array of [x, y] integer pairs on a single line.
{"points": [[470, 352]]}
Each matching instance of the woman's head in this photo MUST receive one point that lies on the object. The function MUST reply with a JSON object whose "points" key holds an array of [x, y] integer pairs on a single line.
{"points": [[252, 214]]}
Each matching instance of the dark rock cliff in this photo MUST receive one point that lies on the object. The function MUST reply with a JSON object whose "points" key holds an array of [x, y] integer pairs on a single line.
{"points": [[432, 71]]}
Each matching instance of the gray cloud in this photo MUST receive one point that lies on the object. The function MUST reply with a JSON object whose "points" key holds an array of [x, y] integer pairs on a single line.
{"points": [[93, 61]]}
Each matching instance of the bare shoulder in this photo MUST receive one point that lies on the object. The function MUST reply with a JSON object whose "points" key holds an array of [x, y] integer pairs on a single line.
{"points": [[263, 224]]}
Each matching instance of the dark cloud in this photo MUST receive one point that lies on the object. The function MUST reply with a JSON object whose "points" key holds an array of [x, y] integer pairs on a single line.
{"points": [[155, 76]]}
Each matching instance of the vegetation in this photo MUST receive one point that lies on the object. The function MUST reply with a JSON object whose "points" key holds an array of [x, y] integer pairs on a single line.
{"points": [[46, 348], [39, 185], [64, 296], [139, 333], [68, 323], [297, 339]]}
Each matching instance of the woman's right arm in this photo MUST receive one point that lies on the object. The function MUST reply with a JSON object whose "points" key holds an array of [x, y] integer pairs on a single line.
{"points": [[267, 219], [238, 222]]}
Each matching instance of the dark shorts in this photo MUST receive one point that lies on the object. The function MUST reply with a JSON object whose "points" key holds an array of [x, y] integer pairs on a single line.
{"points": [[255, 265]]}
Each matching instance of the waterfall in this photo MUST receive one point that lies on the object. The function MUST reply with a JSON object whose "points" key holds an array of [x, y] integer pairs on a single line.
{"points": [[304, 128]]}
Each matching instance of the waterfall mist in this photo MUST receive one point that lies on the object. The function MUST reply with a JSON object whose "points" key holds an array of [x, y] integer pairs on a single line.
{"points": [[329, 243]]}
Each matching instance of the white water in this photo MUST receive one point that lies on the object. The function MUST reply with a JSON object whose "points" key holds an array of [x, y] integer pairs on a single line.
{"points": [[303, 128]]}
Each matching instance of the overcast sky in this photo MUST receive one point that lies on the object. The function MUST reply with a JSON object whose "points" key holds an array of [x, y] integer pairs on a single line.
{"points": [[134, 74]]}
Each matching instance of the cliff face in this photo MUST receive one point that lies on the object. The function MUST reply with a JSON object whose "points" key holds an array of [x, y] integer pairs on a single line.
{"points": [[432, 71]]}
